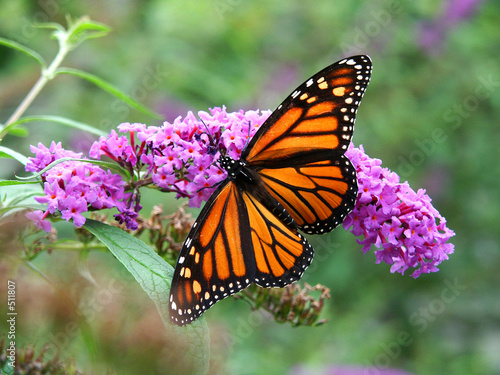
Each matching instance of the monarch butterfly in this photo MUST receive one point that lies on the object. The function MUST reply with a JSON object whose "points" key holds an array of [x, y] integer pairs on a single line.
{"points": [[292, 175]]}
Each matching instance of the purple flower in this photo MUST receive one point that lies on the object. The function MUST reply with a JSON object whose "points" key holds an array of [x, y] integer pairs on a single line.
{"points": [[401, 223], [44, 156], [38, 217], [129, 218], [73, 209], [115, 147], [181, 156], [392, 231], [53, 194], [71, 187]]}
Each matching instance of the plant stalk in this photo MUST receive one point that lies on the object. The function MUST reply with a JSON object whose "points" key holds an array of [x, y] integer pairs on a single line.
{"points": [[46, 76]]}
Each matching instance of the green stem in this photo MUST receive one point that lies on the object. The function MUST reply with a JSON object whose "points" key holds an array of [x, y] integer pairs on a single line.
{"points": [[47, 75]]}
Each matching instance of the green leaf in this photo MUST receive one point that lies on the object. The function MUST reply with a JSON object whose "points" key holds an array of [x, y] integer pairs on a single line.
{"points": [[15, 182], [57, 119], [17, 197], [106, 164], [154, 276], [84, 29], [78, 31], [50, 25], [19, 131], [108, 87], [26, 50], [6, 152]]}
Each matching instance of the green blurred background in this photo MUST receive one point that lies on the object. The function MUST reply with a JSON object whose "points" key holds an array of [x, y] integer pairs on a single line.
{"points": [[431, 113]]}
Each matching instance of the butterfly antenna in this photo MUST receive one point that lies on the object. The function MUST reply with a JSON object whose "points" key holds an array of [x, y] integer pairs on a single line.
{"points": [[213, 144], [248, 135], [212, 139]]}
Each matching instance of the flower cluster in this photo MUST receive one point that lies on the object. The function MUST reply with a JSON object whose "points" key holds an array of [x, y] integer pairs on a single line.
{"points": [[179, 157], [183, 154], [182, 157], [402, 224], [71, 187]]}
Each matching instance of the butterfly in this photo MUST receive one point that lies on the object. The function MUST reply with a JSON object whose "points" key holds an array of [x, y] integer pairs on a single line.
{"points": [[293, 175]]}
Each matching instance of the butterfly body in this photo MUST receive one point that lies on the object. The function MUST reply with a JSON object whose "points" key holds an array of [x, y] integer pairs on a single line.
{"points": [[292, 176], [247, 179]]}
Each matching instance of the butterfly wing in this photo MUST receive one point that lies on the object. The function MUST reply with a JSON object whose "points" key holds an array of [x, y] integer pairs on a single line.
{"points": [[318, 116], [318, 195], [281, 253], [212, 263], [235, 241], [299, 150]]}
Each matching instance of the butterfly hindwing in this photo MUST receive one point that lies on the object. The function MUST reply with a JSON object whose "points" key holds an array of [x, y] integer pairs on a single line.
{"points": [[318, 116], [281, 253], [317, 195], [235, 241]]}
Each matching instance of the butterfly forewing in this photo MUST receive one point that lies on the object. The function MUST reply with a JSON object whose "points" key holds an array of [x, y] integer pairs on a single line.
{"points": [[214, 261], [319, 115]]}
